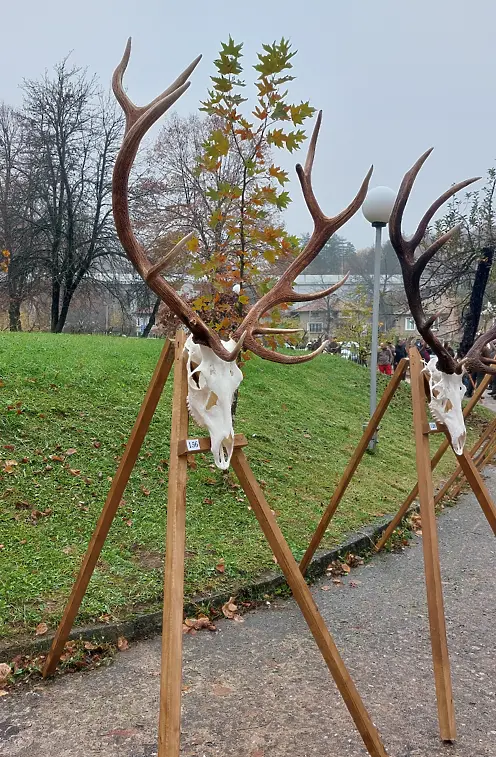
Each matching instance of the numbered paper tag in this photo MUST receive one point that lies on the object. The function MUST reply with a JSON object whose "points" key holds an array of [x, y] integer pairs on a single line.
{"points": [[433, 426], [192, 444]]}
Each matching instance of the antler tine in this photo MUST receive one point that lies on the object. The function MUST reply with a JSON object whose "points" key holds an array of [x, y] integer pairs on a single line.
{"points": [[422, 227], [404, 191], [305, 174], [324, 228], [260, 330], [474, 361], [277, 357], [169, 257], [429, 253], [132, 111]]}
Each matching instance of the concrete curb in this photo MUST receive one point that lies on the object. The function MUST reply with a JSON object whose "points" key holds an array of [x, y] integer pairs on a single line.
{"points": [[150, 624]]}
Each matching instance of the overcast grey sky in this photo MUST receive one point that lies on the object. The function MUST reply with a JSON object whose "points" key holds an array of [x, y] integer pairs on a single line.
{"points": [[393, 77]]}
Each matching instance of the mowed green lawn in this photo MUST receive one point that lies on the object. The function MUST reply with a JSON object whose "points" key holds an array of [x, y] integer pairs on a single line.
{"points": [[67, 405]]}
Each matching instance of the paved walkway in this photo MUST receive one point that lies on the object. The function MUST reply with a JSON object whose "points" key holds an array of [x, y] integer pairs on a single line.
{"points": [[260, 689]]}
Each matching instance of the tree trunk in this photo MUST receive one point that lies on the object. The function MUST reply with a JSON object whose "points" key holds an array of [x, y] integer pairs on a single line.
{"points": [[66, 301], [54, 316], [14, 315], [151, 320], [472, 315]]}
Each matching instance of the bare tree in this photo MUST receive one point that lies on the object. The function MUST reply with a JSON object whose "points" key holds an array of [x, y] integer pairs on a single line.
{"points": [[72, 132]]}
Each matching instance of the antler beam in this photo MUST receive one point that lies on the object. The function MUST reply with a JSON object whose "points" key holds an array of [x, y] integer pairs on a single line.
{"points": [[138, 121], [412, 269]]}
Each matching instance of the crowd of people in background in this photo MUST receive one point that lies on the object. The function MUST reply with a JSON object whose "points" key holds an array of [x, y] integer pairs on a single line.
{"points": [[389, 355]]}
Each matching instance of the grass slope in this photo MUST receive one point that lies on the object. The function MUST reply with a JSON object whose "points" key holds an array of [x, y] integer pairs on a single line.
{"points": [[82, 393]]}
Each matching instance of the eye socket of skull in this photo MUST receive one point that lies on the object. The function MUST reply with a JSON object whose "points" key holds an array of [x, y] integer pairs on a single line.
{"points": [[196, 374]]}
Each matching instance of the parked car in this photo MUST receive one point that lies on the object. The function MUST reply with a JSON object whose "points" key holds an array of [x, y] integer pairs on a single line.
{"points": [[350, 351]]}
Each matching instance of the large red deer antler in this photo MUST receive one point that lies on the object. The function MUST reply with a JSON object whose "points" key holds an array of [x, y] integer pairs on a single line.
{"points": [[138, 121], [412, 268]]}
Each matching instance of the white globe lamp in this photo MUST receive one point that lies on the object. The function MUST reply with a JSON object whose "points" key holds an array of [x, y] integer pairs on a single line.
{"points": [[376, 208], [378, 205]]}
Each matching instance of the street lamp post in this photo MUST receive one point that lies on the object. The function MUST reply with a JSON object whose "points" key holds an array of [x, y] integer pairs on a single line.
{"points": [[376, 209]]}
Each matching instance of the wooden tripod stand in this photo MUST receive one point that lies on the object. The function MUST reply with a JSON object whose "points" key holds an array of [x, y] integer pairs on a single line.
{"points": [[180, 446], [425, 490]]}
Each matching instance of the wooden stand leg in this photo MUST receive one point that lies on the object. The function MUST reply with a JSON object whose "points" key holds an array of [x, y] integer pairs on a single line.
{"points": [[353, 464], [307, 605], [114, 496], [485, 437], [169, 733], [435, 604], [434, 462], [479, 489]]}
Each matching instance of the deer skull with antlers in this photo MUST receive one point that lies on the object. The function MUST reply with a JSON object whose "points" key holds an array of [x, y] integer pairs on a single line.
{"points": [[212, 374], [443, 370]]}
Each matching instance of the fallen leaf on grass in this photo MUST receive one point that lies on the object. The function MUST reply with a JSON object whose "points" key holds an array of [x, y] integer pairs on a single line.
{"points": [[220, 567], [122, 644], [9, 465], [145, 491], [70, 451], [57, 458], [41, 629]]}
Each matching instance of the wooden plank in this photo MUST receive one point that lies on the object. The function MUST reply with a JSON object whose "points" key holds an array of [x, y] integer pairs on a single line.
{"points": [[439, 454], [303, 596], [479, 488], [353, 464], [488, 432], [204, 444], [435, 604], [114, 496], [169, 732]]}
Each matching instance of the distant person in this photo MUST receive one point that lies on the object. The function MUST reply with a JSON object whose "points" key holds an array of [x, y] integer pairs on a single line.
{"points": [[333, 347], [399, 353], [422, 348], [384, 360]]}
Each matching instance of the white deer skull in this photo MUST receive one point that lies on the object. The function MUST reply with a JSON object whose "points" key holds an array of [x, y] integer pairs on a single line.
{"points": [[447, 391], [211, 386]]}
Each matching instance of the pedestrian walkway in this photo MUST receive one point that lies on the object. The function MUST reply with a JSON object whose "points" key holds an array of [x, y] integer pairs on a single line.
{"points": [[261, 689]]}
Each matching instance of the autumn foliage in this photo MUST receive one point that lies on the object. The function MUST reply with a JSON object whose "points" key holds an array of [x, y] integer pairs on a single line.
{"points": [[242, 239]]}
